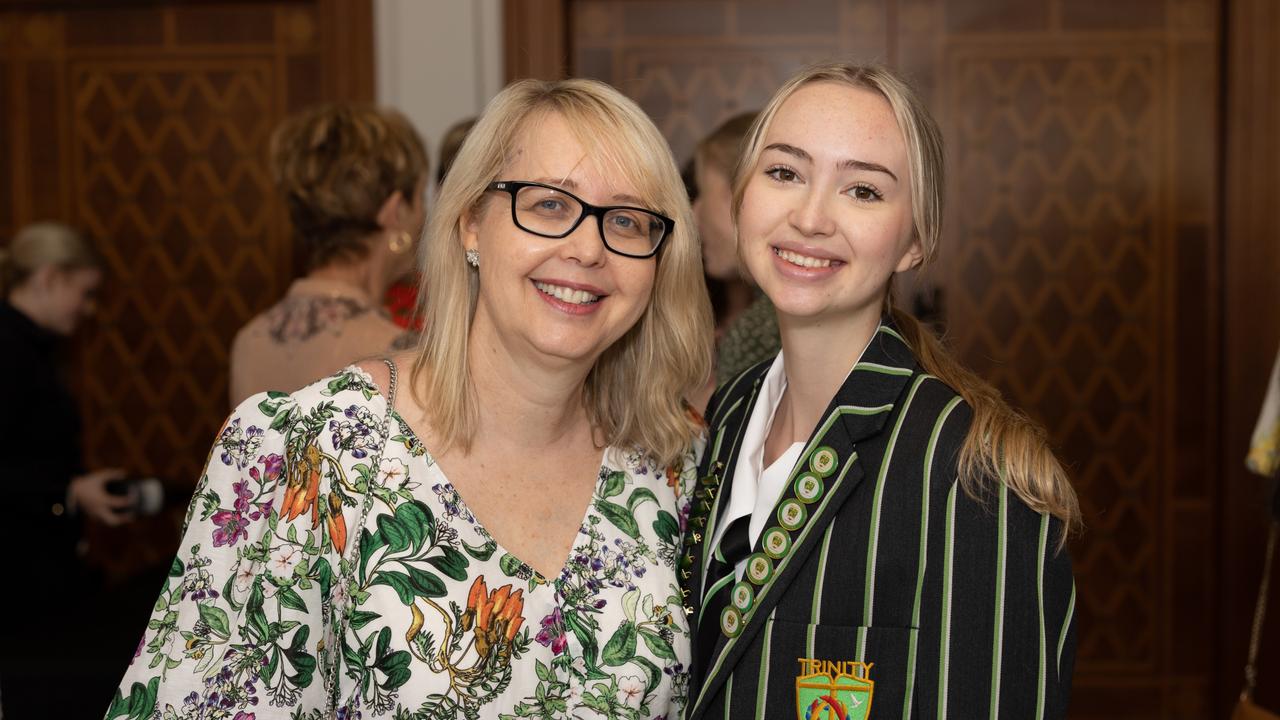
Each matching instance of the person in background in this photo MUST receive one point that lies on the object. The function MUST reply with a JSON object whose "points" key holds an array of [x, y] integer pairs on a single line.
{"points": [[746, 329], [48, 278], [354, 181], [402, 298]]}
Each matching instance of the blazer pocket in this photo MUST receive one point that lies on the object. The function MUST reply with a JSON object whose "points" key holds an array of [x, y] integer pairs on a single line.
{"points": [[834, 649]]}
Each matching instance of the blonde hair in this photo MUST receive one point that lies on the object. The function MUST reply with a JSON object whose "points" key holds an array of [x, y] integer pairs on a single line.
{"points": [[634, 394], [336, 165], [1002, 442], [40, 245]]}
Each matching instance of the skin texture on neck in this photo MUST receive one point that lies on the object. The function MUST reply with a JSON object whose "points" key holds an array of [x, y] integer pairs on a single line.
{"points": [[819, 354], [372, 275], [525, 401]]}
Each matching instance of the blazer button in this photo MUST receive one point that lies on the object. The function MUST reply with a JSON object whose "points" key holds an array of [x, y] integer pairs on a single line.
{"points": [[731, 622], [759, 568], [792, 514], [743, 596], [823, 461], [776, 542], [809, 487]]}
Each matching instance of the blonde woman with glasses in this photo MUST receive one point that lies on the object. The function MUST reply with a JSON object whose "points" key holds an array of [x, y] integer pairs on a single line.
{"points": [[487, 526]]}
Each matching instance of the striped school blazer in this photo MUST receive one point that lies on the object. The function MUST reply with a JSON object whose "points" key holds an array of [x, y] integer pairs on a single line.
{"points": [[881, 585]]}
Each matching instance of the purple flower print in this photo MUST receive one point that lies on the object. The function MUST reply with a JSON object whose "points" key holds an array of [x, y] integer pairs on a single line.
{"points": [[231, 528], [272, 466], [243, 495], [552, 633]]}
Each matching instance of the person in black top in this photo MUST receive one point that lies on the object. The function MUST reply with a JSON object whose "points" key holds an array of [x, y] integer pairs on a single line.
{"points": [[48, 278]]}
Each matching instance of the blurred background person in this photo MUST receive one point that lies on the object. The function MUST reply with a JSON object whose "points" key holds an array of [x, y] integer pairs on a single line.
{"points": [[402, 298], [354, 179], [48, 279], [746, 327]]}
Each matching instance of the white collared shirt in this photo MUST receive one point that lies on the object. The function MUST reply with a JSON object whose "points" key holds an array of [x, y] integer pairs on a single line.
{"points": [[756, 489]]}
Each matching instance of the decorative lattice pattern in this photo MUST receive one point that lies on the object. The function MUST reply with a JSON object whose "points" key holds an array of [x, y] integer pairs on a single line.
{"points": [[170, 180], [1052, 279]]}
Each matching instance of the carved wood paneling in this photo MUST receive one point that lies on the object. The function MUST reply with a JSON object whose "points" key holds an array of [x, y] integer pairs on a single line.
{"points": [[1079, 264], [1251, 333], [146, 124]]}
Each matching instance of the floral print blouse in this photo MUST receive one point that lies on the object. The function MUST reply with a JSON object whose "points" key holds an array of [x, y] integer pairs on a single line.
{"points": [[442, 622]]}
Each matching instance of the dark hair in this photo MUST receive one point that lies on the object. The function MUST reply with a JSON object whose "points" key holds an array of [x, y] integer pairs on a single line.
{"points": [[336, 165], [720, 149], [450, 145]]}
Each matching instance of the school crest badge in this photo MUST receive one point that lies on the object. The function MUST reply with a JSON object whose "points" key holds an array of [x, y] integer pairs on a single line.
{"points": [[833, 690]]}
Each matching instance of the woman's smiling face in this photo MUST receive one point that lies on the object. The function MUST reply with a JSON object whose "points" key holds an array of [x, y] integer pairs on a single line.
{"points": [[826, 217], [568, 298]]}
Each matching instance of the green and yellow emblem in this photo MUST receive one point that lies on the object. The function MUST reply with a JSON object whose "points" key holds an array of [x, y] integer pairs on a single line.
{"points": [[833, 690]]}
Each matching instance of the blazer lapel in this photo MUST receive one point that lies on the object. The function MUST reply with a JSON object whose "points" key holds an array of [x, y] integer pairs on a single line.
{"points": [[826, 475], [715, 476]]}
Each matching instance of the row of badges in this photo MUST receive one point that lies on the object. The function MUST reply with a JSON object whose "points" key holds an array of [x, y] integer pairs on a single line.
{"points": [[776, 541]]}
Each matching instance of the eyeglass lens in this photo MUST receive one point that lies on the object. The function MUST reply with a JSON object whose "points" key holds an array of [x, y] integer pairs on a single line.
{"points": [[547, 211]]}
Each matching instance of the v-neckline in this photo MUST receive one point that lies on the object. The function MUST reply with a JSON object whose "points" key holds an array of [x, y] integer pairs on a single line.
{"points": [[499, 547]]}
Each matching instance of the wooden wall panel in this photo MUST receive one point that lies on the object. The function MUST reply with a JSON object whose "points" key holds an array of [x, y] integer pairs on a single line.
{"points": [[1080, 265], [146, 125], [1251, 328]]}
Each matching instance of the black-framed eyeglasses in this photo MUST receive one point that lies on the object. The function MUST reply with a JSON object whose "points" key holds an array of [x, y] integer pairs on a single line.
{"points": [[550, 212]]}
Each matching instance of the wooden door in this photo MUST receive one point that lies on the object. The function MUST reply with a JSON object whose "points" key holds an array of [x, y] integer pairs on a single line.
{"points": [[145, 125]]}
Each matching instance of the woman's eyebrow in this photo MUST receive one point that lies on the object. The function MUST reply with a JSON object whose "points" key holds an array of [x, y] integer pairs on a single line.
{"points": [[569, 184], [850, 164]]}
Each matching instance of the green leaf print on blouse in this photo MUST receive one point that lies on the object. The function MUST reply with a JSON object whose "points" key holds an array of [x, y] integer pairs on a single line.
{"points": [[441, 621]]}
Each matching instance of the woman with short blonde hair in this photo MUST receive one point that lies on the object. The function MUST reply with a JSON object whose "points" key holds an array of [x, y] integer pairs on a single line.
{"points": [[353, 178], [499, 540]]}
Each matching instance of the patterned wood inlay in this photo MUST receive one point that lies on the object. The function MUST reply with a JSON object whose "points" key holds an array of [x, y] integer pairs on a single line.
{"points": [[146, 125], [170, 179], [1054, 285]]}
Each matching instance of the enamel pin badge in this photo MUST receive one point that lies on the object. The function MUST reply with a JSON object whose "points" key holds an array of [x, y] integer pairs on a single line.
{"points": [[833, 690]]}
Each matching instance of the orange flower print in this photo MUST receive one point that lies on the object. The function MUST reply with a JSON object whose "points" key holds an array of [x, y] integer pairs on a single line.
{"points": [[303, 486], [673, 478], [336, 523], [497, 617]]}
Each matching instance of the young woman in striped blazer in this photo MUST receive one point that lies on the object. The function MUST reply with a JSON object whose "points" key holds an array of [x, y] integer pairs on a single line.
{"points": [[876, 533]]}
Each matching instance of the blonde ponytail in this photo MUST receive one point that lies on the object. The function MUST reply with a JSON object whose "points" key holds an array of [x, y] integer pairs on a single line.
{"points": [[1002, 442]]}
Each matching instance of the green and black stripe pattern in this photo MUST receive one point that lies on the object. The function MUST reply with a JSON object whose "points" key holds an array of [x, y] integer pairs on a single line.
{"points": [[963, 606]]}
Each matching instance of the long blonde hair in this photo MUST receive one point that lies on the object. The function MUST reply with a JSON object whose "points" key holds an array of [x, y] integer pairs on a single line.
{"points": [[1002, 442], [634, 394], [39, 245]]}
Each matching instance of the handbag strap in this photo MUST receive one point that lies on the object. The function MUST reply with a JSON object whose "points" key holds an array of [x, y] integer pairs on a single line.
{"points": [[340, 614], [1259, 614]]}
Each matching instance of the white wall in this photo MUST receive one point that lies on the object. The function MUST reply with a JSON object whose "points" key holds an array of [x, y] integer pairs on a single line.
{"points": [[437, 61]]}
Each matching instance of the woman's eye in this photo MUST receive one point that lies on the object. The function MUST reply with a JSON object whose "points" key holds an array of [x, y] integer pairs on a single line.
{"points": [[550, 204], [782, 174], [865, 193]]}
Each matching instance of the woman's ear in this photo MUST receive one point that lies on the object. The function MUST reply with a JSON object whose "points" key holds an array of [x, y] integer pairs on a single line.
{"points": [[469, 227], [912, 257], [390, 214]]}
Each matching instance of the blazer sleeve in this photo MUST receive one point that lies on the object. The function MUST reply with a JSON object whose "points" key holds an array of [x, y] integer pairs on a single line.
{"points": [[997, 630]]}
